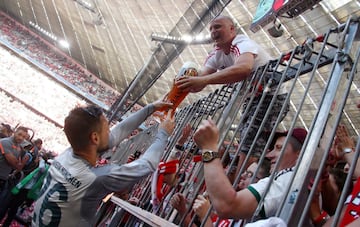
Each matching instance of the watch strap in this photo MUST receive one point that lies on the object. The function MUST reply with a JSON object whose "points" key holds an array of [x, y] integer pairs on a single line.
{"points": [[209, 155]]}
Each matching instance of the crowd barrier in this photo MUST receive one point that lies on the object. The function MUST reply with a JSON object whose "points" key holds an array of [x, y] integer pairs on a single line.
{"points": [[320, 79]]}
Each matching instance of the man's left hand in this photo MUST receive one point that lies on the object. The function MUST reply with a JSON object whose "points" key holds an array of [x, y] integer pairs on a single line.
{"points": [[207, 135], [190, 84], [159, 104]]}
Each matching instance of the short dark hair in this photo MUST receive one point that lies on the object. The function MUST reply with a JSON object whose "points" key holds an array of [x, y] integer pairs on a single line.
{"points": [[340, 178], [296, 145], [7, 127], [264, 168], [296, 139], [38, 141], [80, 123], [22, 128]]}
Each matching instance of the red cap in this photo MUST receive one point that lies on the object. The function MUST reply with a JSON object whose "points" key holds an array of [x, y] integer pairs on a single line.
{"points": [[298, 133]]}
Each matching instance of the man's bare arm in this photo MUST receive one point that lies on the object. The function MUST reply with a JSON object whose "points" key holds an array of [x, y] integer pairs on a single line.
{"points": [[16, 163], [226, 201], [241, 70]]}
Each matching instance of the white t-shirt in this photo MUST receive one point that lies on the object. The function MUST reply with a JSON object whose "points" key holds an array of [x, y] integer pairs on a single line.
{"points": [[241, 44], [273, 198]]}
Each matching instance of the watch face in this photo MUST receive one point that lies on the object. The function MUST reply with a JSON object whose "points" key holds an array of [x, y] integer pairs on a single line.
{"points": [[207, 156]]}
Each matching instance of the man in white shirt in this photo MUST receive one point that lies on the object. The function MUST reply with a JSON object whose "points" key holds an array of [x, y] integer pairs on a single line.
{"points": [[242, 204], [233, 59]]}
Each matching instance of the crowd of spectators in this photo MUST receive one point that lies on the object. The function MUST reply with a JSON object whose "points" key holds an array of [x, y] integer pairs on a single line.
{"points": [[29, 85], [20, 181], [14, 113], [55, 62]]}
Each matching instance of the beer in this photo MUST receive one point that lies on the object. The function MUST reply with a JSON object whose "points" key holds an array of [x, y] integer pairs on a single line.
{"points": [[175, 95]]}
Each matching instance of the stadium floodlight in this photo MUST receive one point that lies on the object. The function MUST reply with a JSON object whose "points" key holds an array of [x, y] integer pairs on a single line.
{"points": [[187, 38], [42, 30], [64, 43]]}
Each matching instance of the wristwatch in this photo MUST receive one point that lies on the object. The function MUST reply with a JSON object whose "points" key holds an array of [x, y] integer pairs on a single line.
{"points": [[347, 150], [209, 155]]}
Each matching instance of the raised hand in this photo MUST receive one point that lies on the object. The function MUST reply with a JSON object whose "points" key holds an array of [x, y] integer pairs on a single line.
{"points": [[169, 123], [207, 135], [342, 141], [190, 84], [201, 206], [178, 202], [185, 134], [161, 104]]}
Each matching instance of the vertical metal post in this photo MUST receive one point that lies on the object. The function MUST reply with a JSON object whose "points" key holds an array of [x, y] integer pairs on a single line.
{"points": [[323, 122]]}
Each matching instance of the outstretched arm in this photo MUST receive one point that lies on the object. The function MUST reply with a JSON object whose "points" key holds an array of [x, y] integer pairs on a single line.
{"points": [[120, 131], [226, 201], [241, 70], [170, 178]]}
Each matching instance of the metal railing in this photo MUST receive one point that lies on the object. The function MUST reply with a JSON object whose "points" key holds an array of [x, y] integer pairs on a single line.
{"points": [[316, 106]]}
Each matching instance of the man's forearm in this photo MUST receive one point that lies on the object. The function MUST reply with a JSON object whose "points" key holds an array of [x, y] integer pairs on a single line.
{"points": [[228, 75], [214, 178], [154, 153], [124, 128]]}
